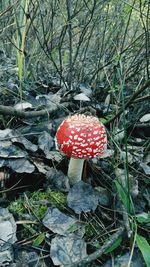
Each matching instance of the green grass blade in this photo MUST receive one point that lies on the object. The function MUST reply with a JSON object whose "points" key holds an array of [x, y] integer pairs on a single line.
{"points": [[115, 245], [127, 201], [144, 248]]}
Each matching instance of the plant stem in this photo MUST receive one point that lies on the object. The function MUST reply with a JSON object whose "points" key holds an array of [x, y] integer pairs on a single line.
{"points": [[75, 170]]}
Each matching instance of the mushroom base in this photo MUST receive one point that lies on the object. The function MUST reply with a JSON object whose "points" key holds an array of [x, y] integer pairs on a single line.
{"points": [[75, 170]]}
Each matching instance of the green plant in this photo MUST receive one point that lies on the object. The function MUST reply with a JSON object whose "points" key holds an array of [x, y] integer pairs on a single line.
{"points": [[22, 21], [144, 247], [35, 203]]}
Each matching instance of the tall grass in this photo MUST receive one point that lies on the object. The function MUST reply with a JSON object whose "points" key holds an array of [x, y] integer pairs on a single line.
{"points": [[22, 21]]}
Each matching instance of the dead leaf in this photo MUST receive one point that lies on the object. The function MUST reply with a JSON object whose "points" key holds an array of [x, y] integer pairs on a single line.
{"points": [[145, 118], [60, 223], [23, 106], [67, 250], [82, 197], [81, 97]]}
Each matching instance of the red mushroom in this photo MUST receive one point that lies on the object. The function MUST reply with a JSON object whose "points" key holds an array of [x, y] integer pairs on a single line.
{"points": [[80, 137]]}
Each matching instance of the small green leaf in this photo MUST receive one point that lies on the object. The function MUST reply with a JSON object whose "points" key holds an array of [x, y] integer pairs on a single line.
{"points": [[122, 194], [115, 245], [73, 228], [39, 239], [107, 118], [144, 248], [66, 57], [143, 217]]}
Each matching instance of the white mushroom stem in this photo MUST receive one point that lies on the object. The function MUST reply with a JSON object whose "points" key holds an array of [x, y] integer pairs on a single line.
{"points": [[75, 170]]}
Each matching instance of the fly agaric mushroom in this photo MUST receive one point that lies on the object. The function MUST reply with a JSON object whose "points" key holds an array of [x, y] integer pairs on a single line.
{"points": [[80, 137]]}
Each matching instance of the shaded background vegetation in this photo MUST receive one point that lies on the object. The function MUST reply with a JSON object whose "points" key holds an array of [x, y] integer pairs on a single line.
{"points": [[99, 45], [77, 41]]}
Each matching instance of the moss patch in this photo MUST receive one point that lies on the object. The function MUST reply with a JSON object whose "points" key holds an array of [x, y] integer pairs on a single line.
{"points": [[35, 204]]}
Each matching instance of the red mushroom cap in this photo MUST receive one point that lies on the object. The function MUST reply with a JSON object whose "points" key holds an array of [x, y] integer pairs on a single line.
{"points": [[81, 136]]}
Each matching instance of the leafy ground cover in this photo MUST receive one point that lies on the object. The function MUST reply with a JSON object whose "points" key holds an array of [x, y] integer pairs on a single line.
{"points": [[109, 209], [55, 62]]}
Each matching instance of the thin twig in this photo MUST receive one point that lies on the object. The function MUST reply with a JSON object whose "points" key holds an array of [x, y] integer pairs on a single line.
{"points": [[142, 98], [8, 110], [130, 101], [126, 220], [8, 8]]}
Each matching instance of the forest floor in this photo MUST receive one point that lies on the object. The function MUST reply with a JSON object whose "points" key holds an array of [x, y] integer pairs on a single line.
{"points": [[104, 220]]}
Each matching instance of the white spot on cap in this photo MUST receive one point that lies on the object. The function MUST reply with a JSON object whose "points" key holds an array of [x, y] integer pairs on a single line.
{"points": [[89, 149], [97, 137], [80, 139], [75, 147], [105, 139], [77, 144], [84, 151], [80, 156], [98, 143], [83, 145], [78, 129], [78, 150], [66, 143]]}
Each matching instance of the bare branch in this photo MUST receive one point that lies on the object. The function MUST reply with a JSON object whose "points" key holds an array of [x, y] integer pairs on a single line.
{"points": [[131, 100], [95, 255], [8, 110]]}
